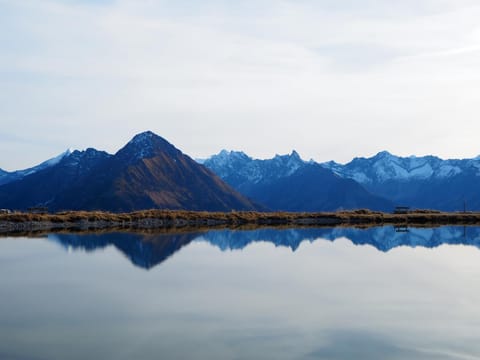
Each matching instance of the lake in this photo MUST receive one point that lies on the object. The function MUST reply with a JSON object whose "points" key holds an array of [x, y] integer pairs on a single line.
{"points": [[341, 293]]}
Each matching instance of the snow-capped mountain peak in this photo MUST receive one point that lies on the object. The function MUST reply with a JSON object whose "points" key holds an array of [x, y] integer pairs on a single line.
{"points": [[385, 166], [6, 177], [229, 162], [383, 155], [141, 145], [238, 165], [232, 155], [50, 162], [290, 163], [146, 145]]}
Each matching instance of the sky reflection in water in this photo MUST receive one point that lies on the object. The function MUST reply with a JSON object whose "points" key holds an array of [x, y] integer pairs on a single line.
{"points": [[243, 295]]}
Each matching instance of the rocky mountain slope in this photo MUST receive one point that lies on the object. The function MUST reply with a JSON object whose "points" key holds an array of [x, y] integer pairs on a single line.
{"points": [[291, 184], [148, 172], [421, 182]]}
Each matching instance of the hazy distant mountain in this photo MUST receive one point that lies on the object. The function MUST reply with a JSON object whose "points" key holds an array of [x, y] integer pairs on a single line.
{"points": [[6, 176], [291, 184], [424, 182], [385, 166]]}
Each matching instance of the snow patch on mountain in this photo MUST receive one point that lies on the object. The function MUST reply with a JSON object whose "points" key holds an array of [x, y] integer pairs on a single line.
{"points": [[358, 177], [238, 165], [423, 171], [447, 170], [143, 145], [7, 177], [385, 166], [48, 163], [291, 162]]}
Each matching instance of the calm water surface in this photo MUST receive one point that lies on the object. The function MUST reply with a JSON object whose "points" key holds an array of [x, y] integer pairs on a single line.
{"points": [[264, 294]]}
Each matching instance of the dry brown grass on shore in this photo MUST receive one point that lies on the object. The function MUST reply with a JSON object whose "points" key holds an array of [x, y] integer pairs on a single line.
{"points": [[155, 221], [238, 216], [73, 216]]}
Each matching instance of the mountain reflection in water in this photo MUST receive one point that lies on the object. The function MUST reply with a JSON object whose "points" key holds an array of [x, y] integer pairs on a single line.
{"points": [[149, 250]]}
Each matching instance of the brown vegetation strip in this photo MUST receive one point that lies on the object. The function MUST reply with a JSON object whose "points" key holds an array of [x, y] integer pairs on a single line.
{"points": [[158, 219]]}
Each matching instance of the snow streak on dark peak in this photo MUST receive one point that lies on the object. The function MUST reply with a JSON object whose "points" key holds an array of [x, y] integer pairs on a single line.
{"points": [[146, 145]]}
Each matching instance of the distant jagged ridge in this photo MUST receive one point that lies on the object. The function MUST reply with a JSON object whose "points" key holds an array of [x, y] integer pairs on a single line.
{"points": [[419, 182], [385, 166], [426, 182], [288, 183]]}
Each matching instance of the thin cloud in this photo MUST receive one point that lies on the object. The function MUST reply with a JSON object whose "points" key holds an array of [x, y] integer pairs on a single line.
{"points": [[331, 79], [444, 53]]}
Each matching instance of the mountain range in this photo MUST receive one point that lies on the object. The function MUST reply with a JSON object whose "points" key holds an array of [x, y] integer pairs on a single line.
{"points": [[426, 182], [385, 181], [288, 183], [149, 172]]}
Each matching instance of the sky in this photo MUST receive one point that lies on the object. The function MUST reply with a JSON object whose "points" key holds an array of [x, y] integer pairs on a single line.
{"points": [[333, 79]]}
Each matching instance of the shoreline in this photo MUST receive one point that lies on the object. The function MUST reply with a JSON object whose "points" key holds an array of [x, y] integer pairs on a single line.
{"points": [[178, 219]]}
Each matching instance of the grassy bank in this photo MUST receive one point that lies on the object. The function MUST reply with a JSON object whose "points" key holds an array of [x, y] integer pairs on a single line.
{"points": [[159, 219]]}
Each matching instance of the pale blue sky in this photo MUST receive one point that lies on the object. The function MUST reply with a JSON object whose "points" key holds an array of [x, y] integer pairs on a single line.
{"points": [[333, 79]]}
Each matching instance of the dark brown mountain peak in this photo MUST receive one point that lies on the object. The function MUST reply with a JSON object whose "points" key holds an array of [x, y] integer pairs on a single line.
{"points": [[147, 173]]}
